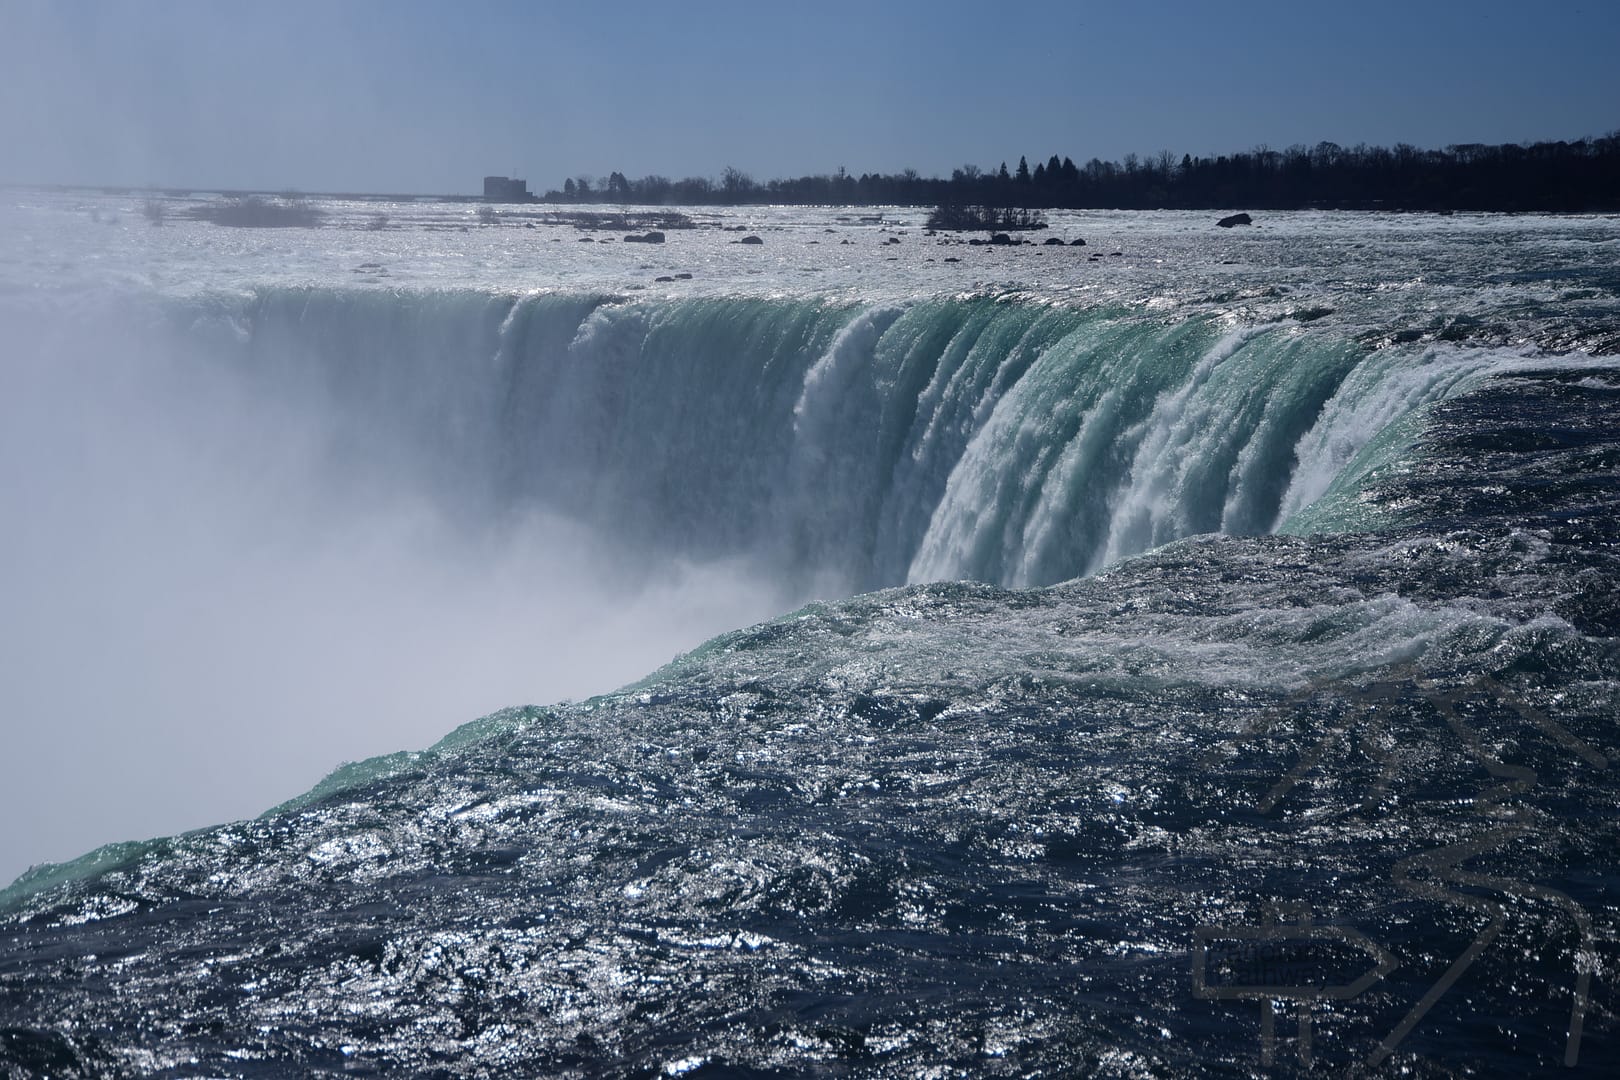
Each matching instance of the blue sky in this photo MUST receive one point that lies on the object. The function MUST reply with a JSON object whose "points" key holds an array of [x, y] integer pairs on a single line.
{"points": [[404, 96]]}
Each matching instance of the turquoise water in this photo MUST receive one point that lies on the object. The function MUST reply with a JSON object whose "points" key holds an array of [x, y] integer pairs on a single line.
{"points": [[1119, 636]]}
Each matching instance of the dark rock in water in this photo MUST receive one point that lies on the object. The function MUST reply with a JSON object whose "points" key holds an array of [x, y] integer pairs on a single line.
{"points": [[1235, 219], [1000, 239], [750, 240], [645, 238], [1077, 243], [587, 240], [664, 277], [952, 258], [1310, 314], [1052, 241], [1115, 254]]}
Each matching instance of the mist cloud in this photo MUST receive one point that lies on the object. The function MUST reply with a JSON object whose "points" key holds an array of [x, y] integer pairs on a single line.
{"points": [[215, 594]]}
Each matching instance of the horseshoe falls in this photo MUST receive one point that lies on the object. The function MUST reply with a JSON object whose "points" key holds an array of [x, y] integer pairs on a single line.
{"points": [[859, 445], [868, 654]]}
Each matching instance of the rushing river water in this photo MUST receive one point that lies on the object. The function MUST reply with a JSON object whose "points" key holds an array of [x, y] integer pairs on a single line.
{"points": [[1188, 661]]}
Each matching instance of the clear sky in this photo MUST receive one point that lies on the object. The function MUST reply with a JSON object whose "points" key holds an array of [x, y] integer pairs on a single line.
{"points": [[401, 96]]}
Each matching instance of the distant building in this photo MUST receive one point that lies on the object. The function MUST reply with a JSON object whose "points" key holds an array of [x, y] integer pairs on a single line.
{"points": [[504, 189]]}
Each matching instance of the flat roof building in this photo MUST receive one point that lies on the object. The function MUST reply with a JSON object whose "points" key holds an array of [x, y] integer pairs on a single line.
{"points": [[504, 189]]}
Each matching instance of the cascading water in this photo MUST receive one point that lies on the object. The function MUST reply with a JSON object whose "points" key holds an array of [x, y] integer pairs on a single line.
{"points": [[853, 446], [946, 826]]}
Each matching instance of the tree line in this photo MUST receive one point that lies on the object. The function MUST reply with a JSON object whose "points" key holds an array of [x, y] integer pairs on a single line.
{"points": [[1581, 175]]}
